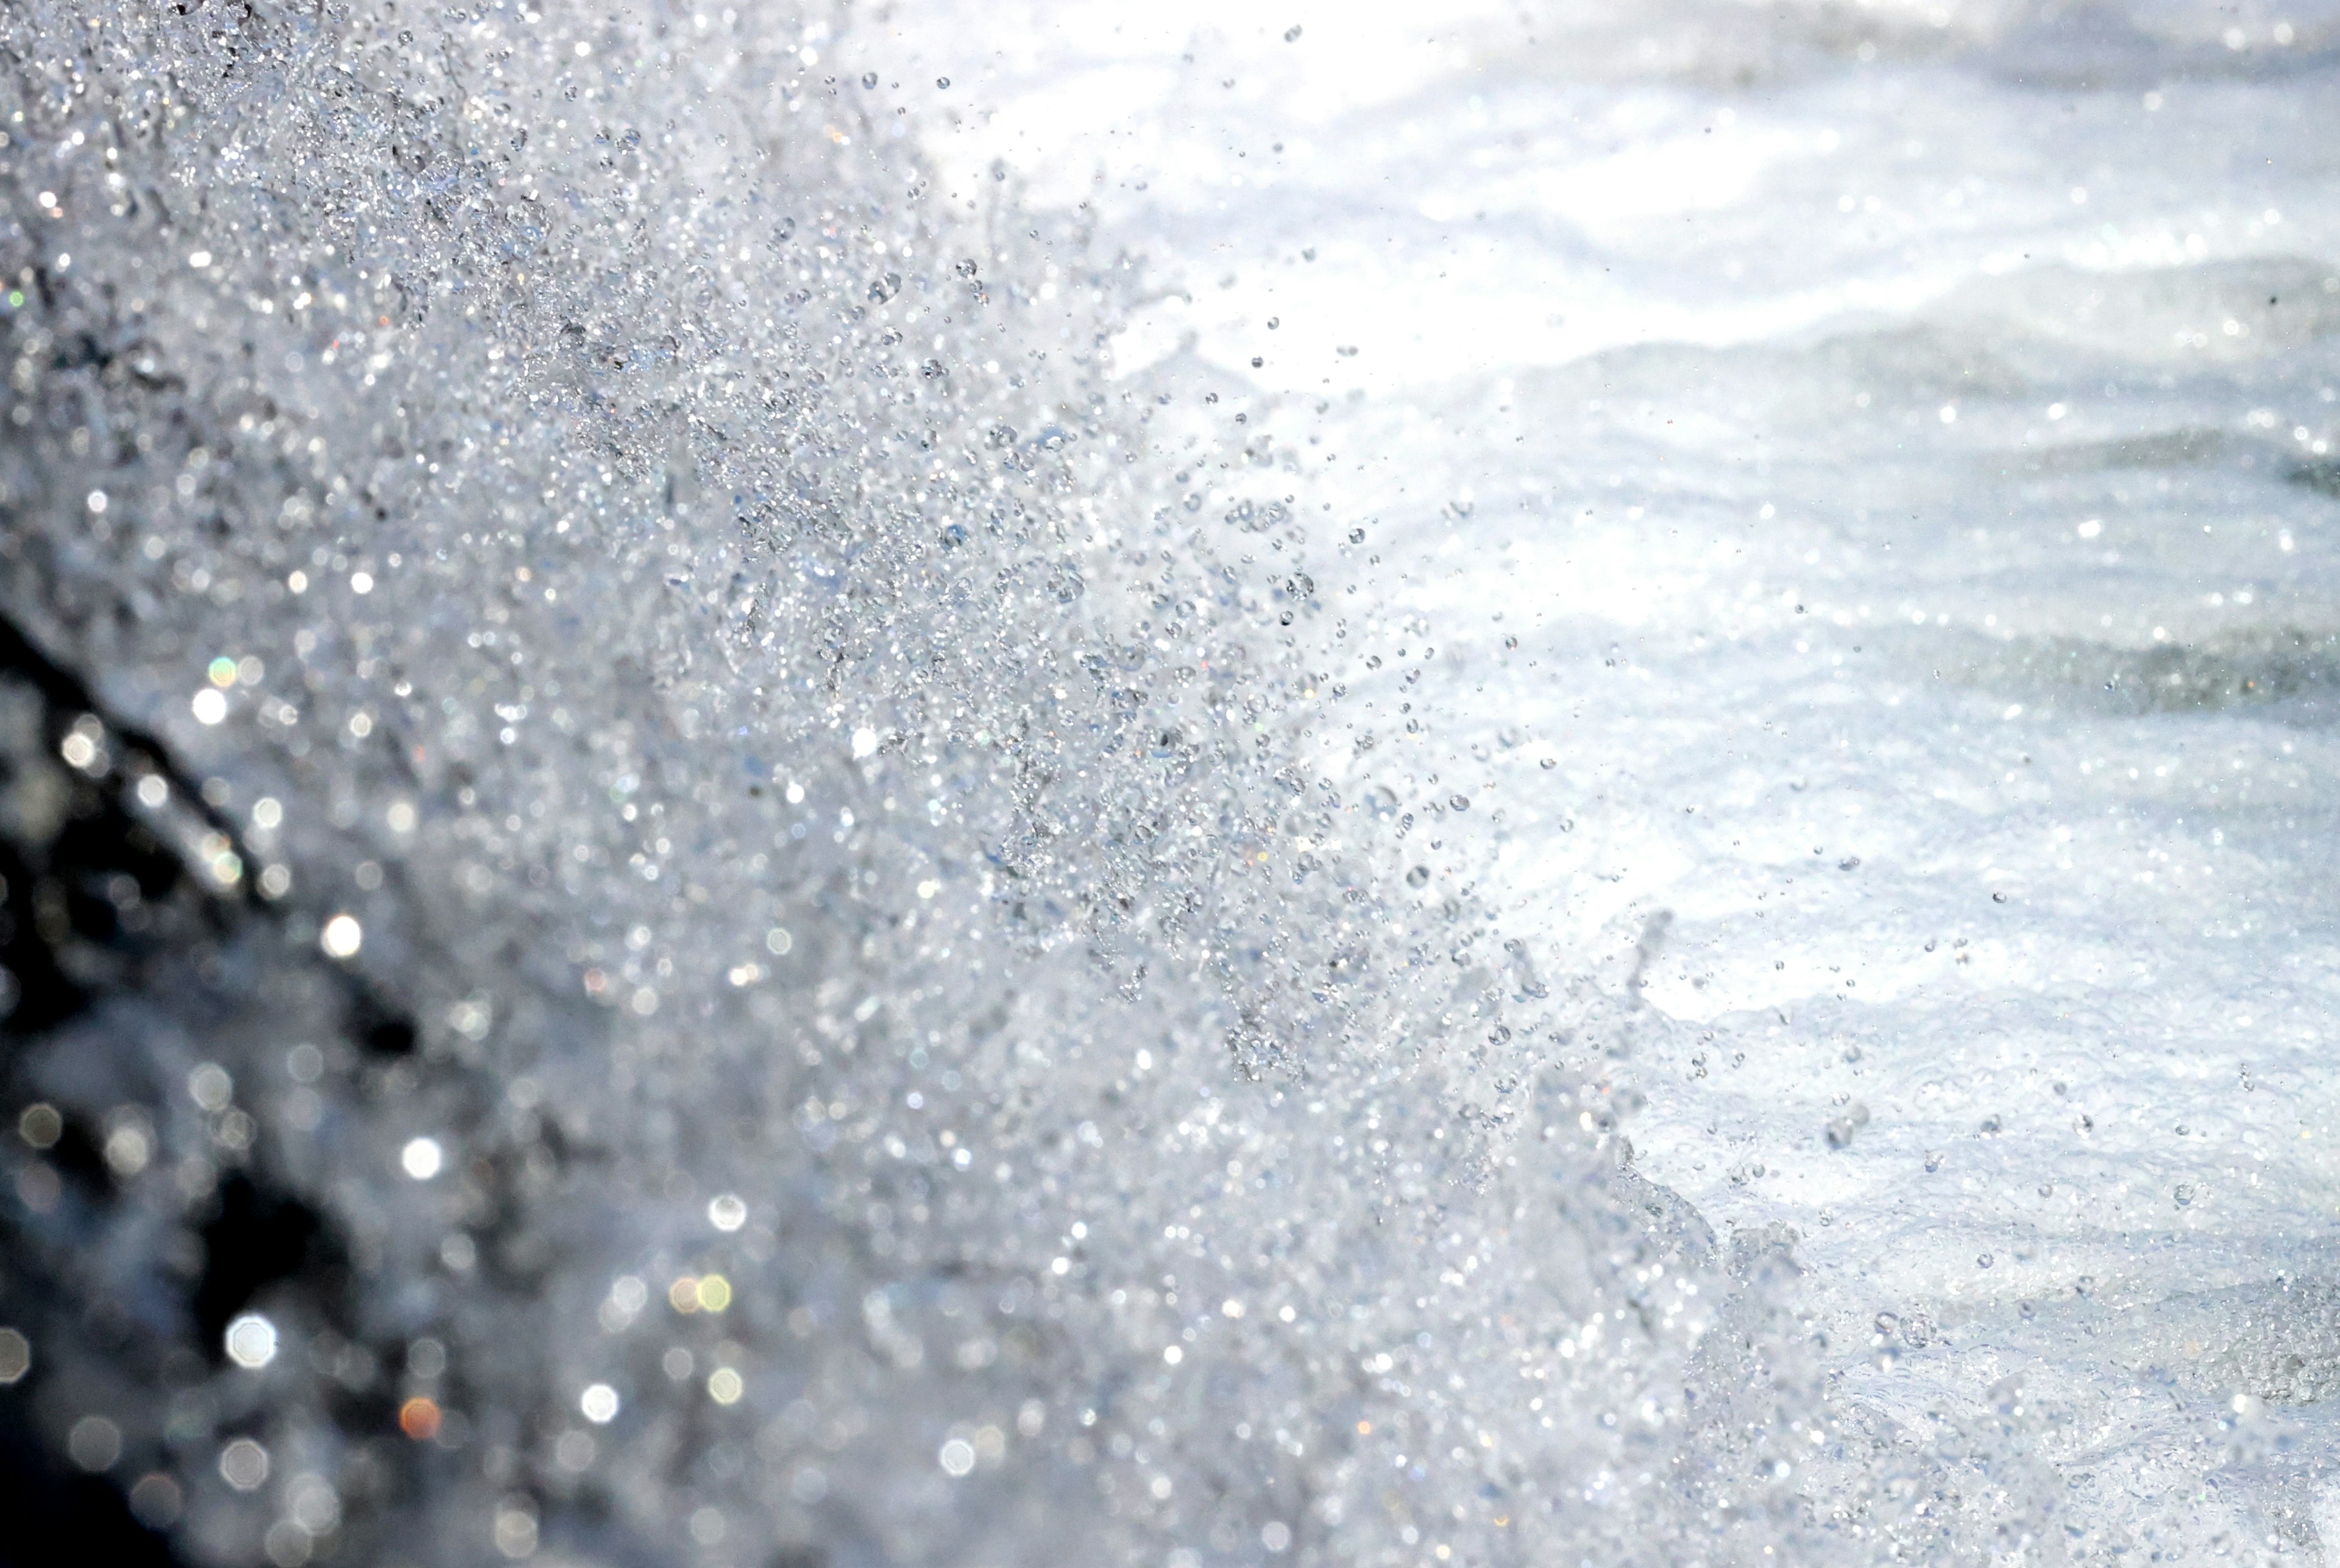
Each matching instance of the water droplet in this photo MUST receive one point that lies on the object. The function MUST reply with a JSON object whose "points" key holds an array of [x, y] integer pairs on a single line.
{"points": [[1842, 1130], [342, 936], [94, 1443], [252, 1341], [243, 1464]]}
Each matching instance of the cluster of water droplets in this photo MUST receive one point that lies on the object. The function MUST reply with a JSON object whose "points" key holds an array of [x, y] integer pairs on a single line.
{"points": [[772, 941], [771, 916]]}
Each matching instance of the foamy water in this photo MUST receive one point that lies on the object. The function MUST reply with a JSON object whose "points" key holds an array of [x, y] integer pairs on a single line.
{"points": [[1197, 788]]}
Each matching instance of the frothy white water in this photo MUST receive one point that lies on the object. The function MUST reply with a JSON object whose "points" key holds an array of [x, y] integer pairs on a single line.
{"points": [[1181, 792], [1867, 478]]}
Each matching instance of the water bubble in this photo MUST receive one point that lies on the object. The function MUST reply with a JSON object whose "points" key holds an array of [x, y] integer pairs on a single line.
{"points": [[1417, 877]]}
